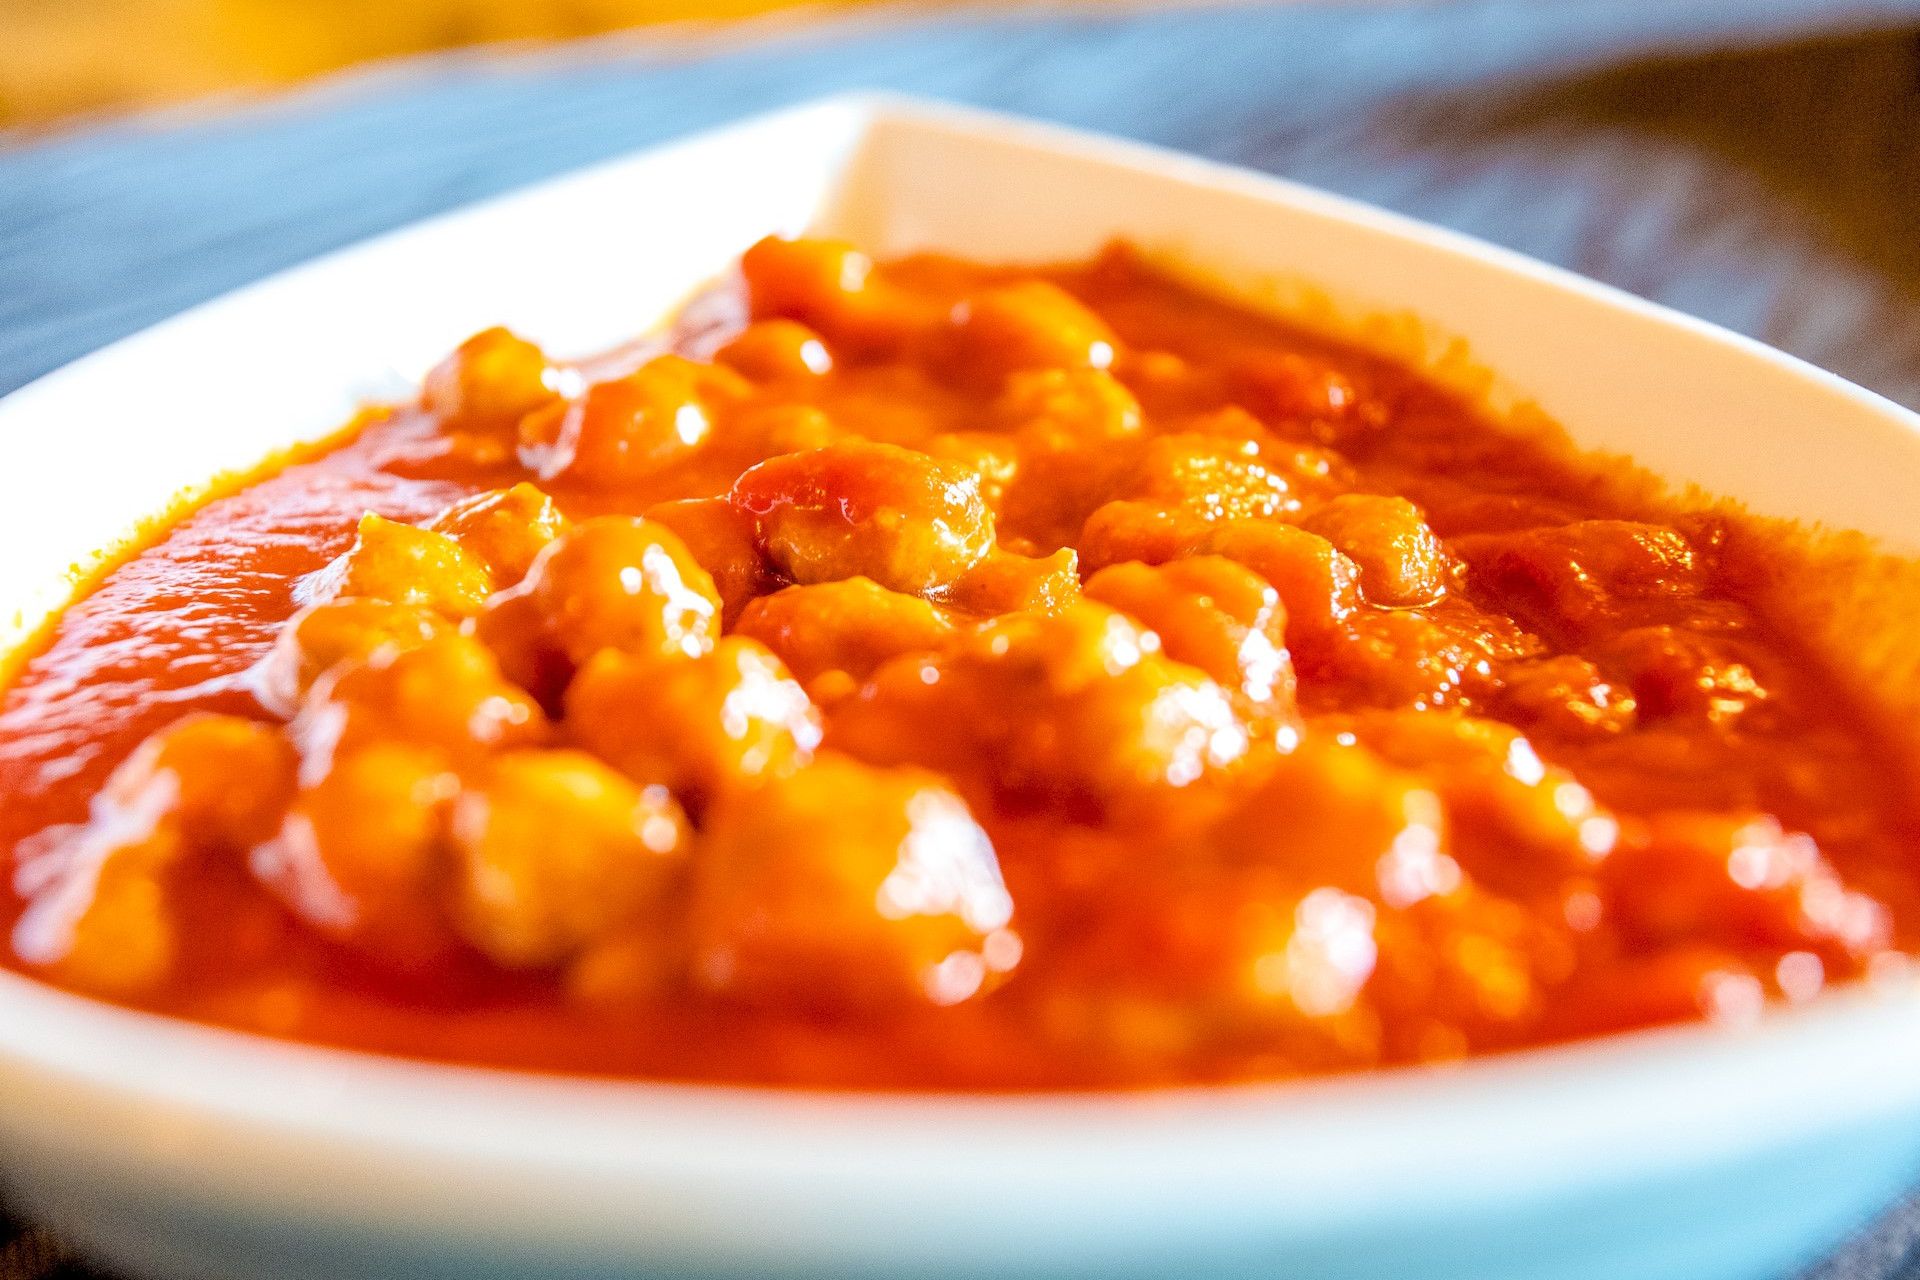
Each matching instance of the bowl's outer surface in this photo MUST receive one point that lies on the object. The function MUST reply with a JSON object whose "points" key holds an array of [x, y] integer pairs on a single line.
{"points": [[189, 1152]]}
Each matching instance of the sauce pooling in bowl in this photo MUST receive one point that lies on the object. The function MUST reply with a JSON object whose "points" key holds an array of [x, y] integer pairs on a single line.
{"points": [[922, 674]]}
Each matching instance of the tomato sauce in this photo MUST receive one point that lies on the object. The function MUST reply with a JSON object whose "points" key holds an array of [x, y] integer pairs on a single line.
{"points": [[923, 674]]}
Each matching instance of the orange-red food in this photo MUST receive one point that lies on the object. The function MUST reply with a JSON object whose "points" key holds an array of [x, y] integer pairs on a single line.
{"points": [[922, 674]]}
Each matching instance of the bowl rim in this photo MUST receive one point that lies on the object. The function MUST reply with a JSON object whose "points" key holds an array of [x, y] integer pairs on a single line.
{"points": [[1617, 1102]]}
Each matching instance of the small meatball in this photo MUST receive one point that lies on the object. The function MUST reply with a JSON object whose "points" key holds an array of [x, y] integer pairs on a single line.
{"points": [[1272, 927], [402, 564], [1456, 507], [613, 582], [322, 636], [792, 277], [1739, 880], [1293, 388], [1029, 324], [101, 912], [1123, 531], [1007, 583], [1317, 582], [993, 457], [1563, 697], [225, 779], [1072, 432], [1210, 476], [854, 625], [1684, 676], [1667, 765], [489, 383], [505, 528], [776, 351], [1402, 563], [833, 287], [1579, 581], [1521, 827], [361, 855], [640, 965], [1058, 486], [1236, 960], [111, 928], [1086, 405], [554, 852], [722, 540], [628, 431], [699, 726], [848, 888], [1333, 815], [1078, 713], [1311, 471], [1212, 614], [1465, 969], [907, 521], [1392, 659], [755, 432], [891, 402], [447, 694]]}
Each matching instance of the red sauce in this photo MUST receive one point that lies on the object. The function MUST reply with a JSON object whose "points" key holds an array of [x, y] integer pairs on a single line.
{"points": [[1306, 721]]}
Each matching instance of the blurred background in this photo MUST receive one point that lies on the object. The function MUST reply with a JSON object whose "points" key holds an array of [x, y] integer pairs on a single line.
{"points": [[62, 58], [1755, 162]]}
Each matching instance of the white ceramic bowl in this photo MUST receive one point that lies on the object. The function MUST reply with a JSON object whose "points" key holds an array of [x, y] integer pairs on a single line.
{"points": [[183, 1151]]}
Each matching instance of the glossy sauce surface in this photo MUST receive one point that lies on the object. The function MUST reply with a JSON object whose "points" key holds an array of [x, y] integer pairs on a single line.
{"points": [[931, 675]]}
